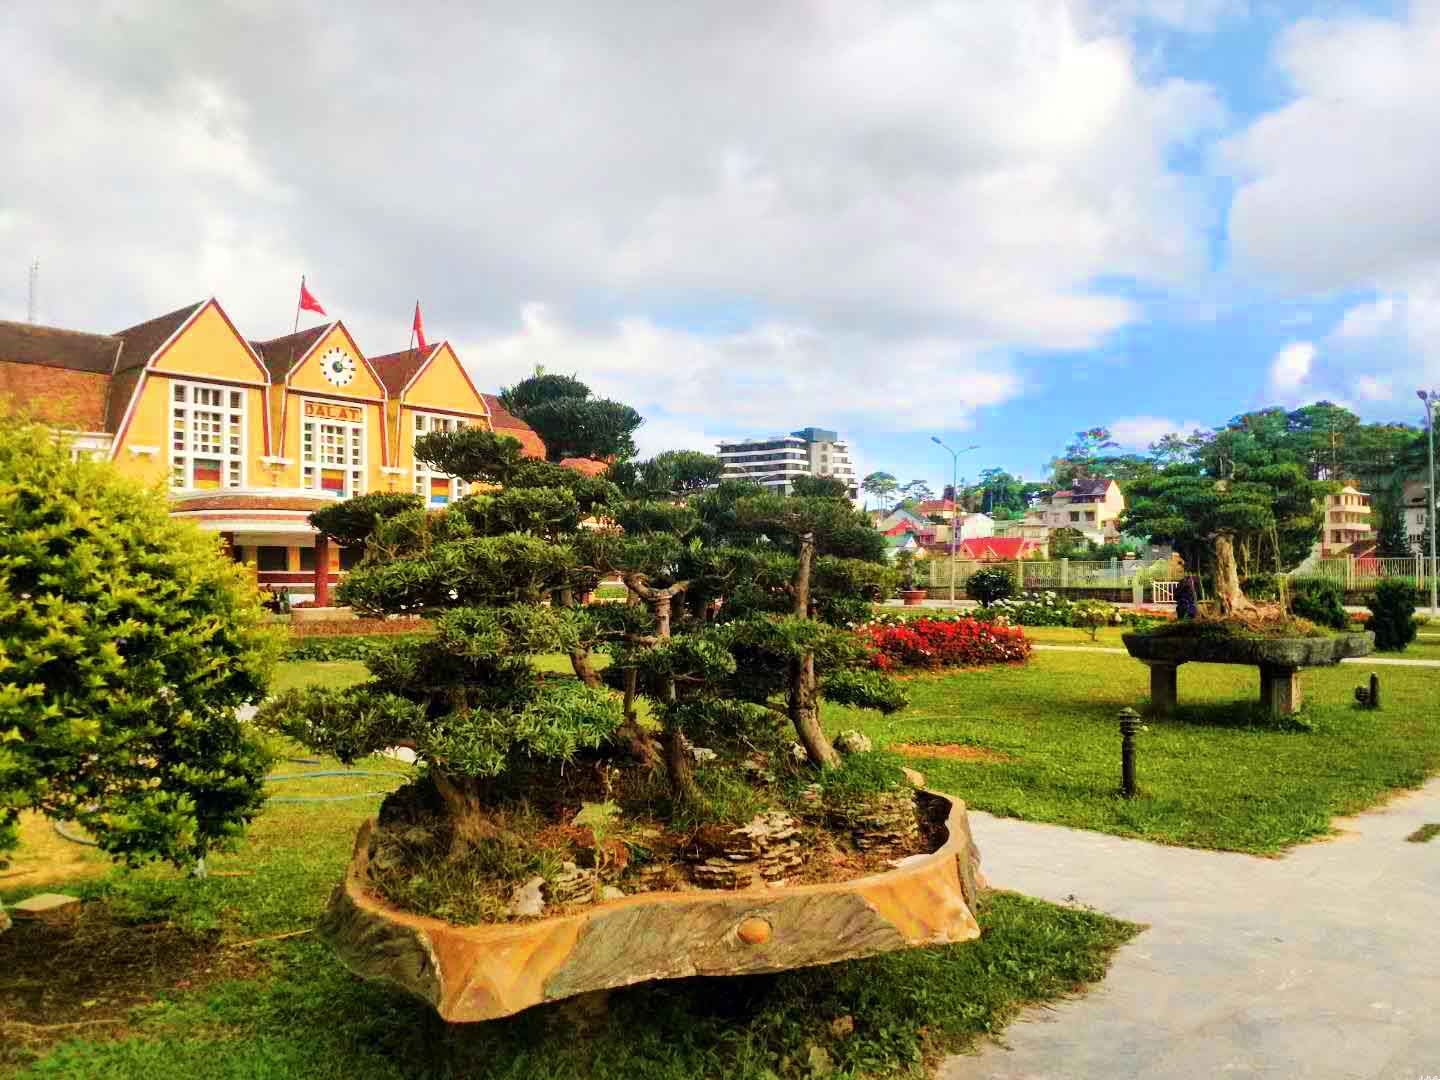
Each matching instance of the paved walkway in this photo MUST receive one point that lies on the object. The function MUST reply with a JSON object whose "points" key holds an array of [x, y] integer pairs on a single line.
{"points": [[1324, 964], [1369, 660]]}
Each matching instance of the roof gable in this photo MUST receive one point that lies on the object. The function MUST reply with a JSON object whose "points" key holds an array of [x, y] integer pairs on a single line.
{"points": [[306, 374], [207, 345], [144, 340], [280, 355], [504, 422]]}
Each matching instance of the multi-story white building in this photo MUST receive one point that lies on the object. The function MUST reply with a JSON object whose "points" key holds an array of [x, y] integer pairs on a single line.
{"points": [[1347, 530], [777, 460]]}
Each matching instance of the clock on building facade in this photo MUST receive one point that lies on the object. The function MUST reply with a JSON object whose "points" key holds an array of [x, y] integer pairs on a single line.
{"points": [[338, 367]]}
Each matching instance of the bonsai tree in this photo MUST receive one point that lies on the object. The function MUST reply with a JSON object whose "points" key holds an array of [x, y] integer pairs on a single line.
{"points": [[128, 642], [1392, 614], [905, 563], [570, 421]]}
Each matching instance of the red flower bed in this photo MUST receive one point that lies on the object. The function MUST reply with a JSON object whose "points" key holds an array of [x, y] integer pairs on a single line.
{"points": [[934, 643]]}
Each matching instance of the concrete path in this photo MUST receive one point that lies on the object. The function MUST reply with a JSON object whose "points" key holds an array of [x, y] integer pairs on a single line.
{"points": [[1371, 660], [1324, 964]]}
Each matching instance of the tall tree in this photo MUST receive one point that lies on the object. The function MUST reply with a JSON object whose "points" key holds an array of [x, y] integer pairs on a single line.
{"points": [[570, 421], [674, 473], [917, 491], [882, 485]]}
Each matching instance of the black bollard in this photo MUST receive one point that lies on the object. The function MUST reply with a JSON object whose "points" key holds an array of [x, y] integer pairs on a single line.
{"points": [[1374, 690], [1129, 725]]}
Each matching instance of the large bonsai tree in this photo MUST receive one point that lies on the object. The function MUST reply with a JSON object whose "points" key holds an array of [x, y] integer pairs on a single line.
{"points": [[571, 421], [738, 598], [127, 642]]}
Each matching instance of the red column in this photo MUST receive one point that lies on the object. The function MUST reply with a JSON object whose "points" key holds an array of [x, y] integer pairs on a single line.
{"points": [[322, 571]]}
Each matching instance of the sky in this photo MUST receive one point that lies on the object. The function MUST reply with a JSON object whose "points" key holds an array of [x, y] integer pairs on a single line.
{"points": [[998, 223]]}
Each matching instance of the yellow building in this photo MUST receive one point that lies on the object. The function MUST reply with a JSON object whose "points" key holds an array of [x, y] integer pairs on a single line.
{"points": [[251, 436], [1347, 530]]}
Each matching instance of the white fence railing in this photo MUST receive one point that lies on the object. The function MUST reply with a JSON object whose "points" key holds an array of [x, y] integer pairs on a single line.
{"points": [[1364, 573], [1162, 592], [1039, 575]]}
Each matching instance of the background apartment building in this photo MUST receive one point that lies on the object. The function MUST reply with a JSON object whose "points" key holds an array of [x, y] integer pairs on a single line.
{"points": [[777, 460]]}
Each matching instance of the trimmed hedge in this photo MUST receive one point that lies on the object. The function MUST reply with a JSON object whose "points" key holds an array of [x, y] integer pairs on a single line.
{"points": [[344, 647]]}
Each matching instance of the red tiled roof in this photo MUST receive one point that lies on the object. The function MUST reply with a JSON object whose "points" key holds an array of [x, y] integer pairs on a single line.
{"points": [[507, 423], [398, 368], [280, 354], [588, 466], [931, 506], [997, 547]]}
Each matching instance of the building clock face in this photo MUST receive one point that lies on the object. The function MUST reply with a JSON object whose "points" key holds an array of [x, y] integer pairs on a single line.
{"points": [[338, 366]]}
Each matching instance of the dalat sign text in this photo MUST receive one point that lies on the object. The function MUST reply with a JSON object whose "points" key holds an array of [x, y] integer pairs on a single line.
{"points": [[322, 411]]}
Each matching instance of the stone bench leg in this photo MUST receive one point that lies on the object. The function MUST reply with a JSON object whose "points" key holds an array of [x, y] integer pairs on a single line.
{"points": [[1280, 690], [1163, 691]]}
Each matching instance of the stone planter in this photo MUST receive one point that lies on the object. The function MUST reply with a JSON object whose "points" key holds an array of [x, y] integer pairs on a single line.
{"points": [[914, 597], [322, 614], [1279, 661], [469, 973]]}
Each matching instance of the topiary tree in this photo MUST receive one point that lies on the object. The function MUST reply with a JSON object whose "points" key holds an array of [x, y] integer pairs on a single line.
{"points": [[991, 584], [128, 641], [350, 522], [570, 421], [1392, 614]]}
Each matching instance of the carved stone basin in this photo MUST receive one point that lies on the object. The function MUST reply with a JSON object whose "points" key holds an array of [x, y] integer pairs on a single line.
{"points": [[482, 972], [1279, 661]]}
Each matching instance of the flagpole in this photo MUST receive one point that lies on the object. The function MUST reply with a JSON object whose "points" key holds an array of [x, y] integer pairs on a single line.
{"points": [[298, 301]]}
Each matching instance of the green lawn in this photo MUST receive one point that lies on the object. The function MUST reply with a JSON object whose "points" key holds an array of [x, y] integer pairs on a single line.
{"points": [[214, 1001], [1208, 778]]}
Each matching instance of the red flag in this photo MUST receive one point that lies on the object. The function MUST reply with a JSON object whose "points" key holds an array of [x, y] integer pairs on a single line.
{"points": [[308, 301], [418, 327]]}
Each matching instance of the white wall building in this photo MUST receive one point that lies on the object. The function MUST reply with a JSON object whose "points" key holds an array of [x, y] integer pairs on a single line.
{"points": [[777, 460]]}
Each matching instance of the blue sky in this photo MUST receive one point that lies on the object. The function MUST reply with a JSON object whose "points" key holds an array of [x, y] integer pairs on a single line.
{"points": [[999, 223]]}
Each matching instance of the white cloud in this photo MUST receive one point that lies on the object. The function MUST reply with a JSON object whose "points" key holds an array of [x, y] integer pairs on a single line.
{"points": [[1338, 185], [1291, 366], [883, 194], [1374, 388], [1138, 432], [1367, 320]]}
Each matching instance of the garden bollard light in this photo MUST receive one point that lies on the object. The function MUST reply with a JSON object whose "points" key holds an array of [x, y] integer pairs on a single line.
{"points": [[1129, 725]]}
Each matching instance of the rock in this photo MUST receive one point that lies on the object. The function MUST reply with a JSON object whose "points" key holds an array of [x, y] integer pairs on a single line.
{"points": [[881, 824], [853, 742], [842, 1027], [915, 779], [717, 873], [572, 886], [798, 752], [528, 900], [610, 892], [702, 754], [46, 906], [770, 841]]}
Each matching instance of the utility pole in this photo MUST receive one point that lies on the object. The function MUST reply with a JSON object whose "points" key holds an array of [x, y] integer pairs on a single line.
{"points": [[954, 504], [1430, 400]]}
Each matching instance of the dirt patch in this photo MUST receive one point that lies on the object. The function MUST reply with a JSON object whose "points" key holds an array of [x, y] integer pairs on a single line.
{"points": [[44, 858], [951, 752], [87, 974]]}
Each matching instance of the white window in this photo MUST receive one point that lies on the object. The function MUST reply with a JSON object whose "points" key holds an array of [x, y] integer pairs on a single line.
{"points": [[332, 448], [207, 436], [436, 488]]}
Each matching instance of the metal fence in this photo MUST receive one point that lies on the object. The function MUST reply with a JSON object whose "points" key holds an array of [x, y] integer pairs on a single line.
{"points": [[1364, 573]]}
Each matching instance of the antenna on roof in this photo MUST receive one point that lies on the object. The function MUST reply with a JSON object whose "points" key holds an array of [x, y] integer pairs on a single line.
{"points": [[32, 309]]}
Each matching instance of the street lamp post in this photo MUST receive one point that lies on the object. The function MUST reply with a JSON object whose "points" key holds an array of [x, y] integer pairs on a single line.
{"points": [[954, 504], [1430, 399]]}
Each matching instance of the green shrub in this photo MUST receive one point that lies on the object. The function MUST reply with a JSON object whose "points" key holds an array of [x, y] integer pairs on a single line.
{"points": [[343, 647], [1092, 615], [127, 641], [1261, 587], [991, 584], [1392, 614], [1320, 600]]}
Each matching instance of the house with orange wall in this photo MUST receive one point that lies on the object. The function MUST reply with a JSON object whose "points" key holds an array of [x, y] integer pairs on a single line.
{"points": [[249, 436]]}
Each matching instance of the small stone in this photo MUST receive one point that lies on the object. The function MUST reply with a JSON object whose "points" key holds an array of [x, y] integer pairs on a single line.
{"points": [[915, 779], [853, 742], [610, 892], [702, 754], [723, 874], [842, 1026], [528, 900], [572, 886], [46, 906], [798, 752], [753, 931]]}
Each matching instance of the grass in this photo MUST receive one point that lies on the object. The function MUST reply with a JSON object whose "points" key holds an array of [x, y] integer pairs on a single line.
{"points": [[169, 976], [1216, 776]]}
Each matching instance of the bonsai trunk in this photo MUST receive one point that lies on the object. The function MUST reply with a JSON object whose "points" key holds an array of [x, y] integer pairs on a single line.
{"points": [[1227, 578], [579, 658], [804, 704], [680, 768], [470, 824]]}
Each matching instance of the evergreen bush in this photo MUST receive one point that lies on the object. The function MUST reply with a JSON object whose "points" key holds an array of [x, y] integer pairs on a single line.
{"points": [[1392, 614], [128, 640], [1320, 600], [991, 584]]}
